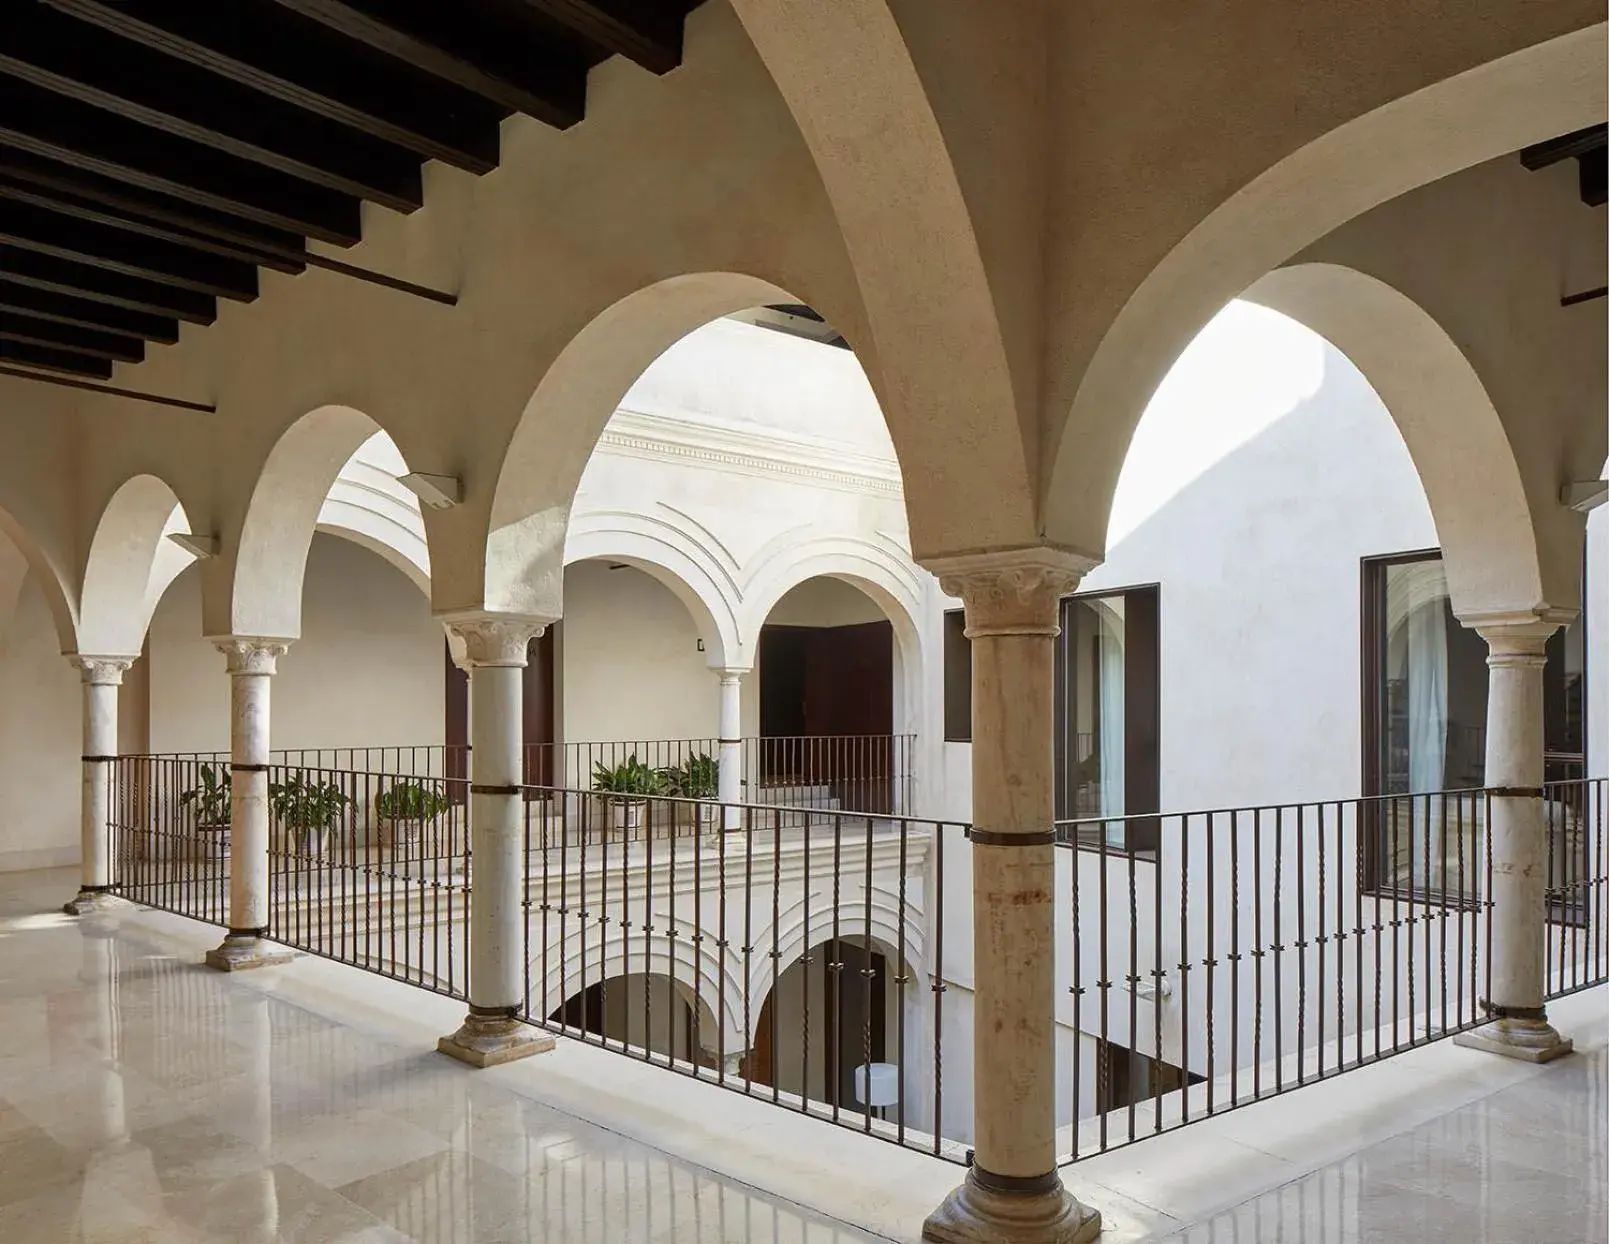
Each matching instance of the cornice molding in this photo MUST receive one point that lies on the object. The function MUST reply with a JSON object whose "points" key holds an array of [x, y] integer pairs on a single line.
{"points": [[765, 454]]}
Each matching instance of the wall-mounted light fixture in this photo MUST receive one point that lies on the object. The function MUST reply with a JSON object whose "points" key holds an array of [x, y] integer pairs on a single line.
{"points": [[199, 547], [437, 491]]}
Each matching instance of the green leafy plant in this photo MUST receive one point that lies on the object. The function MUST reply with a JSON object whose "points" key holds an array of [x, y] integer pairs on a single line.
{"points": [[209, 798], [302, 804], [698, 778], [629, 780], [411, 801]]}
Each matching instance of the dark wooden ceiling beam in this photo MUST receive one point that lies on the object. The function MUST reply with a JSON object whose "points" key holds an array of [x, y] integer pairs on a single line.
{"points": [[549, 86], [44, 304], [311, 67], [66, 237], [61, 336], [642, 32], [83, 62], [49, 358], [72, 132], [1578, 142], [80, 280], [1592, 177]]}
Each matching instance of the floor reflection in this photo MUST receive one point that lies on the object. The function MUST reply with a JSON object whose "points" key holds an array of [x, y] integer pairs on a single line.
{"points": [[143, 1098]]}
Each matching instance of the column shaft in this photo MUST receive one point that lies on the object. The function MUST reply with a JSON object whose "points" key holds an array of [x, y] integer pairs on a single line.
{"points": [[1013, 1191], [730, 779], [101, 678]]}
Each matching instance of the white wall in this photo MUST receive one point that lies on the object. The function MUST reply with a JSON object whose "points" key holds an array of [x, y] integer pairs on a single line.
{"points": [[632, 668], [39, 739], [825, 602], [367, 671]]}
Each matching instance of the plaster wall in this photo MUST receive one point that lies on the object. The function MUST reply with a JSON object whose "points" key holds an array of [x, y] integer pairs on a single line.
{"points": [[39, 739]]}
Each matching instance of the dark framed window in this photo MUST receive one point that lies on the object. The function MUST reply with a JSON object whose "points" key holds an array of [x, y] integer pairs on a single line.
{"points": [[1424, 694], [1108, 709], [957, 678]]}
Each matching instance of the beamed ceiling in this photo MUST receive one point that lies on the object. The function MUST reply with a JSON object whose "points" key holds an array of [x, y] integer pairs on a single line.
{"points": [[155, 154]]}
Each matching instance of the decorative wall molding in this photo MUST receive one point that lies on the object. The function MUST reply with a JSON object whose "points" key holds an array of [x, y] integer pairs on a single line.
{"points": [[699, 441]]}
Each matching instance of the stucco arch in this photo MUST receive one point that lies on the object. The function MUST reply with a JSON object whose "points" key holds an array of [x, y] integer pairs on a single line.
{"points": [[1541, 91], [1454, 434], [59, 597], [675, 554], [131, 563], [368, 507], [265, 591], [577, 395]]}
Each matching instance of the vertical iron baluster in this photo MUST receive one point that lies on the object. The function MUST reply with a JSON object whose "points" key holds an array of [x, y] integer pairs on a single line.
{"points": [[936, 972]]}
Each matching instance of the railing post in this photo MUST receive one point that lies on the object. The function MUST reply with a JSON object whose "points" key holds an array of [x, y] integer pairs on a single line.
{"points": [[495, 647], [251, 664], [1013, 1191], [101, 678], [1519, 1028], [730, 767]]}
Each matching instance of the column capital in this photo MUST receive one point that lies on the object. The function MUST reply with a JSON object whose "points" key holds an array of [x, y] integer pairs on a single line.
{"points": [[99, 671], [493, 639], [731, 673], [251, 654], [1014, 591], [1518, 637]]}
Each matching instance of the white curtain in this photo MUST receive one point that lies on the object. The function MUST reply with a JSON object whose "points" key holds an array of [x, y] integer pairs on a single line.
{"points": [[1112, 737], [1427, 696]]}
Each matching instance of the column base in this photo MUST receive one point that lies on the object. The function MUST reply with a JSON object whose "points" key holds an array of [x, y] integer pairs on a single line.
{"points": [[241, 952], [974, 1214], [491, 1040], [88, 901], [1530, 1040]]}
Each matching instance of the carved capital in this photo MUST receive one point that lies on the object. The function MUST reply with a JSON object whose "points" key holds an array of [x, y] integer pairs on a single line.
{"points": [[1015, 592], [492, 639], [248, 654], [101, 671], [1518, 640]]}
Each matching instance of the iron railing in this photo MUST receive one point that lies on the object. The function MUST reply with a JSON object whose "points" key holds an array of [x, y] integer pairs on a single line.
{"points": [[1576, 817], [797, 957], [865, 773], [169, 848], [1247, 958]]}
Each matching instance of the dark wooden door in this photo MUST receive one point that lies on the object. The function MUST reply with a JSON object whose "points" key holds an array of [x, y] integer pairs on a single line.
{"points": [[539, 728]]}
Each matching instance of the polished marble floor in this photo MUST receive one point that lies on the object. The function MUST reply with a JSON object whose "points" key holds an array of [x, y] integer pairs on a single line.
{"points": [[145, 1098], [1528, 1163]]}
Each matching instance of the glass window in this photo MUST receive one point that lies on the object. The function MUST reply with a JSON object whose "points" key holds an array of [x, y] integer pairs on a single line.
{"points": [[957, 679], [1107, 715]]}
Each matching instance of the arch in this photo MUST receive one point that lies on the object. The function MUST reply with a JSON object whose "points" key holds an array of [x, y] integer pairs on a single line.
{"points": [[265, 595], [131, 563], [1533, 94], [52, 582], [565, 416], [1453, 432], [671, 549], [367, 506]]}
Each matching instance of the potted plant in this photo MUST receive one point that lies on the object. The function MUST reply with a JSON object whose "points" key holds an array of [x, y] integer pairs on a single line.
{"points": [[308, 809], [405, 807], [210, 802], [625, 788], [699, 778]]}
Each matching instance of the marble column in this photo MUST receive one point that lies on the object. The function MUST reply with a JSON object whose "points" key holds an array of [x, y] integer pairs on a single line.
{"points": [[495, 649], [101, 678], [251, 663], [730, 789], [1013, 1191], [1517, 654]]}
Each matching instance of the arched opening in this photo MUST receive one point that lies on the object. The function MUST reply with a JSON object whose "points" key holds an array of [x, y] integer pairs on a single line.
{"points": [[834, 1012], [131, 563], [646, 1012], [825, 701]]}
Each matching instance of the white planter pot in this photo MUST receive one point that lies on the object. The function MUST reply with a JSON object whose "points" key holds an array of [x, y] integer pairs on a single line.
{"points": [[626, 814], [214, 841], [402, 834], [708, 817]]}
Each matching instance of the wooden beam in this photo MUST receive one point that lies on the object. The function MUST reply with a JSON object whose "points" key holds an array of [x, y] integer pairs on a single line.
{"points": [[83, 313], [74, 133], [1540, 155], [641, 32], [85, 340], [67, 362], [64, 276], [313, 68], [66, 237], [133, 395], [81, 62], [544, 84], [1592, 177]]}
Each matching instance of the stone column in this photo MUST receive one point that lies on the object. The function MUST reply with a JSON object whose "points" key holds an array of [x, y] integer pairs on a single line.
{"points": [[495, 651], [101, 678], [252, 662], [1013, 1191], [1514, 766], [730, 790]]}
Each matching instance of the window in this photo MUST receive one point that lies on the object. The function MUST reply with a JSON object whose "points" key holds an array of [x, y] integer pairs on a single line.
{"points": [[1424, 726], [957, 678], [1108, 715]]}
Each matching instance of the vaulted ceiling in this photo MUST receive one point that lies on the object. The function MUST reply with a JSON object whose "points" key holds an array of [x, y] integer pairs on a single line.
{"points": [[155, 154]]}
